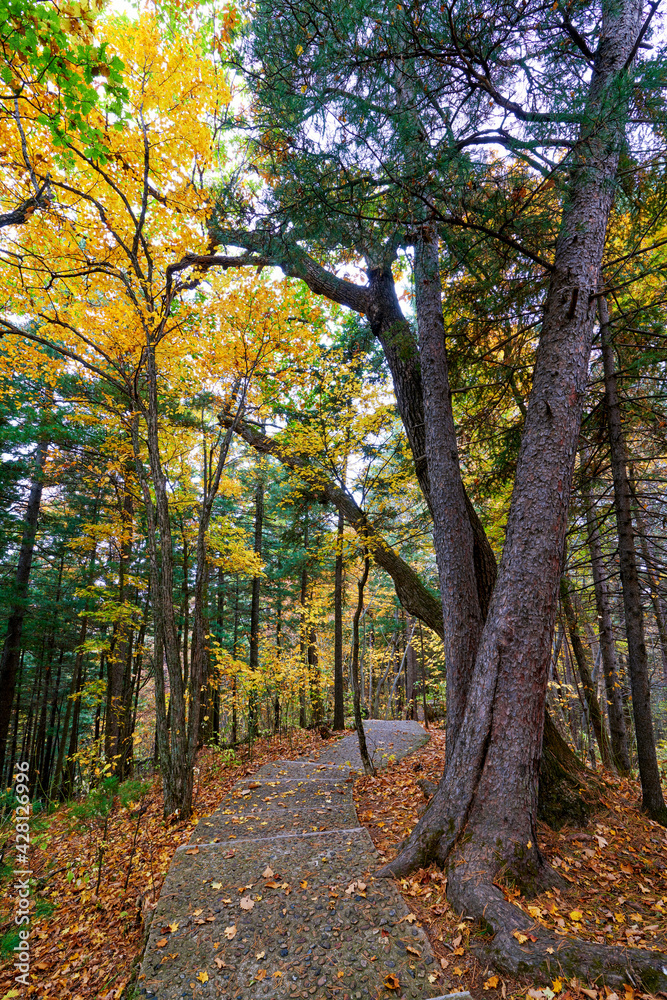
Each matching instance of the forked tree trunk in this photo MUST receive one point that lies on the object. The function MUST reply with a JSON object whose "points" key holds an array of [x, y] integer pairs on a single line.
{"points": [[482, 819], [649, 772]]}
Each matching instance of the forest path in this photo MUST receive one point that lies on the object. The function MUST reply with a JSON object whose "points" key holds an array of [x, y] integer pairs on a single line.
{"points": [[274, 896]]}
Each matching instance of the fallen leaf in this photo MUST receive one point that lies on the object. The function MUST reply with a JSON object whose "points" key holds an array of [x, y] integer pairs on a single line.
{"points": [[230, 932], [593, 994], [413, 951], [392, 983], [192, 850], [173, 927], [361, 886], [254, 784], [628, 869], [202, 977], [216, 885], [457, 940], [246, 903], [304, 884], [161, 943], [521, 938], [410, 918], [459, 951], [260, 955], [576, 915], [268, 872], [557, 985], [260, 974], [432, 978], [491, 983], [457, 970], [340, 973]]}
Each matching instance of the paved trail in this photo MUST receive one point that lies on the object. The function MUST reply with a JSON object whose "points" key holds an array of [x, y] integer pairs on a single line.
{"points": [[274, 896]]}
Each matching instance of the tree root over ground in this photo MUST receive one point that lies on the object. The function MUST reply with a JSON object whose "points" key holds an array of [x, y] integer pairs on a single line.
{"points": [[520, 946]]}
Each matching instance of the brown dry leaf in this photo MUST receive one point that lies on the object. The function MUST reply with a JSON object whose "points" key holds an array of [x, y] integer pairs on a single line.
{"points": [[268, 872], [391, 982], [260, 974], [192, 850], [161, 943], [593, 994], [260, 955], [246, 903], [230, 932], [459, 951], [521, 938], [413, 951], [491, 983], [457, 940]]}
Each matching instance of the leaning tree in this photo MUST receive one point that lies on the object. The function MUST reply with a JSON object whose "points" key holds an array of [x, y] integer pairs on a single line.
{"points": [[373, 119]]}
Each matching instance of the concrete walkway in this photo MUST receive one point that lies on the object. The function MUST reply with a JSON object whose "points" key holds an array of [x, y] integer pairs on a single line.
{"points": [[274, 897]]}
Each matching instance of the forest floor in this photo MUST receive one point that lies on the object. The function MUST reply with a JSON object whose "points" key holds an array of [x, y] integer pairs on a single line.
{"points": [[84, 945]]}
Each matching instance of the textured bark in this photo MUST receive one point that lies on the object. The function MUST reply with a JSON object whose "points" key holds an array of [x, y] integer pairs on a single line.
{"points": [[11, 650], [649, 772], [483, 816], [573, 614], [610, 666], [452, 529]]}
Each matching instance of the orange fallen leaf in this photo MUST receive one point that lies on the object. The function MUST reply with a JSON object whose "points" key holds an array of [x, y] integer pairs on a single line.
{"points": [[459, 951], [413, 951], [392, 983], [260, 974], [521, 938], [161, 943], [491, 983], [192, 850]]}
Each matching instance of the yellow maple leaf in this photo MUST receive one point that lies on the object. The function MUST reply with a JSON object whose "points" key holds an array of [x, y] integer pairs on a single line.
{"points": [[202, 977]]}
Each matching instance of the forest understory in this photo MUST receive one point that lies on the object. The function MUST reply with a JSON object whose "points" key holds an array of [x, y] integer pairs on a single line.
{"points": [[88, 943]]}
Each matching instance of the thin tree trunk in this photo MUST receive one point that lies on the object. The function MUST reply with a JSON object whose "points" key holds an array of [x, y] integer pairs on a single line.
{"points": [[581, 655], [11, 650], [649, 772], [253, 658], [654, 581], [339, 703], [356, 685], [612, 680]]}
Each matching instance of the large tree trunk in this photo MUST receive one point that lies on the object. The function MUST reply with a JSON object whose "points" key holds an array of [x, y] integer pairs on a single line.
{"points": [[452, 529], [649, 772], [610, 666], [11, 649], [482, 819]]}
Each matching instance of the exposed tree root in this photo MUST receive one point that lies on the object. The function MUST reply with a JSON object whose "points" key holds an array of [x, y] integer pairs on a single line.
{"points": [[543, 955]]}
